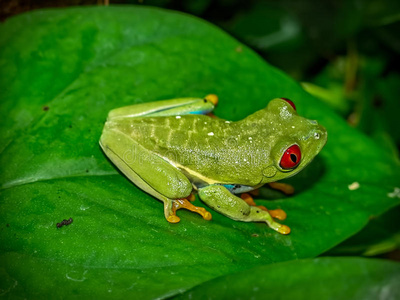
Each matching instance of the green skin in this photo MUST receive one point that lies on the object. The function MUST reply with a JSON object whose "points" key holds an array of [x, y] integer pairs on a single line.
{"points": [[168, 151]]}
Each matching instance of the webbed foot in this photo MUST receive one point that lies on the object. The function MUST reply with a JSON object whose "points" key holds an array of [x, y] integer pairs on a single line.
{"points": [[185, 203]]}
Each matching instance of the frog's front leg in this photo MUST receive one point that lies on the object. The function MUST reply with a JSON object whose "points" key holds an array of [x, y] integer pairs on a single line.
{"points": [[222, 200], [150, 172]]}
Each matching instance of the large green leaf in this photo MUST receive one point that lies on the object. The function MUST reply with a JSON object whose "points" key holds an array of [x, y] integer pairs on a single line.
{"points": [[62, 71], [381, 235], [320, 278]]}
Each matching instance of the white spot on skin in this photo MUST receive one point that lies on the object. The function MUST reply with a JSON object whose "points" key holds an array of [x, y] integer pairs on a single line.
{"points": [[396, 193], [245, 159], [210, 133], [227, 122], [250, 138], [354, 186], [205, 122], [178, 117], [293, 127], [284, 113]]}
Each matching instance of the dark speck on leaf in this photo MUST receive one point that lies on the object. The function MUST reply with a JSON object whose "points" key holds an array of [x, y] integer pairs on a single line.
{"points": [[8, 225], [87, 171], [64, 222], [70, 126], [255, 235], [45, 108]]}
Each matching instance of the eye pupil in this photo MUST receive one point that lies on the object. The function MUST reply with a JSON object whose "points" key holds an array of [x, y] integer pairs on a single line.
{"points": [[293, 158]]}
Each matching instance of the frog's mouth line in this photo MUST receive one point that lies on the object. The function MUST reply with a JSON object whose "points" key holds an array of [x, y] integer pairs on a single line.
{"points": [[189, 172]]}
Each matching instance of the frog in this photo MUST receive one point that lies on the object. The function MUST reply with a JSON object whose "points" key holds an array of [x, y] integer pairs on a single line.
{"points": [[173, 149]]}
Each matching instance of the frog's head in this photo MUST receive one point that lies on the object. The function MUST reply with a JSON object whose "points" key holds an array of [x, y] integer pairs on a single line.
{"points": [[295, 140]]}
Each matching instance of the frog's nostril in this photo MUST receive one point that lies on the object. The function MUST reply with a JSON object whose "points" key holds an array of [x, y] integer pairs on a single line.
{"points": [[320, 134]]}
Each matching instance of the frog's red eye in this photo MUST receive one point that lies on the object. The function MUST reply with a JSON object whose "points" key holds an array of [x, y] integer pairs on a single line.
{"points": [[290, 102], [291, 157]]}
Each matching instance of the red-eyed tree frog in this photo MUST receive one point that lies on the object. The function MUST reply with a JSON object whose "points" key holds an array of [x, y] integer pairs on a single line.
{"points": [[173, 148]]}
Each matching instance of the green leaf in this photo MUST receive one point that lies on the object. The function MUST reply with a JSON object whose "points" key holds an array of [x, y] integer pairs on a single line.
{"points": [[380, 236], [321, 278], [62, 71]]}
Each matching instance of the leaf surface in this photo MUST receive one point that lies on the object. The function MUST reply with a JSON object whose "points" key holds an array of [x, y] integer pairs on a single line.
{"points": [[62, 71], [320, 278]]}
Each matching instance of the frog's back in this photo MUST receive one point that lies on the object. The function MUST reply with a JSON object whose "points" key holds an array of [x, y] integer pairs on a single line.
{"points": [[195, 134], [201, 145]]}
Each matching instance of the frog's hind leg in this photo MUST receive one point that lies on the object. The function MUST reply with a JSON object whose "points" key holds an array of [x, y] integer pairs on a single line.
{"points": [[151, 173], [222, 200]]}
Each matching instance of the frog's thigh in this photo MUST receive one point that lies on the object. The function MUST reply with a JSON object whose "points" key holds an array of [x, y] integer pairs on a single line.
{"points": [[223, 201], [147, 170]]}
